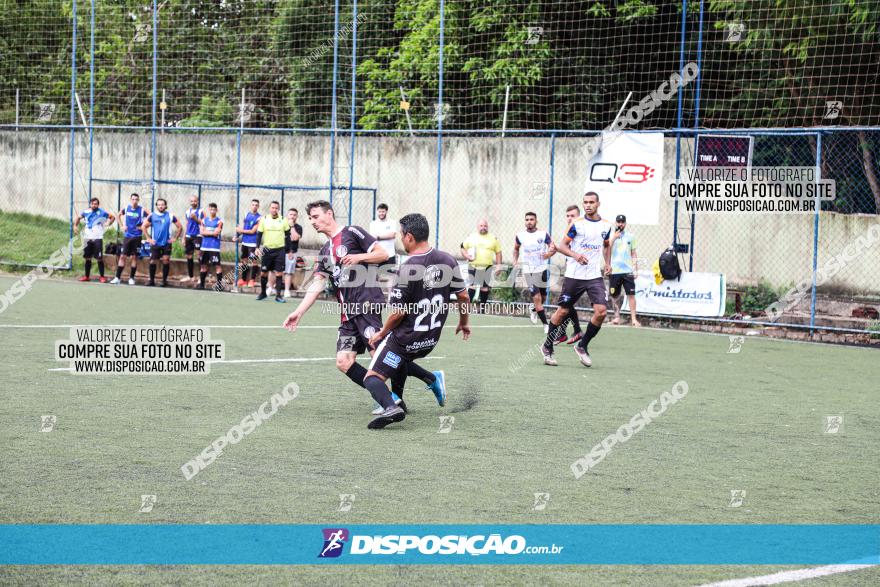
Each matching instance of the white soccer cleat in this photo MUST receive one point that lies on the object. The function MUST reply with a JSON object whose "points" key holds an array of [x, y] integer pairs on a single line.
{"points": [[270, 291], [115, 280], [130, 281], [583, 355], [548, 357], [546, 329], [186, 279], [533, 316], [286, 293]]}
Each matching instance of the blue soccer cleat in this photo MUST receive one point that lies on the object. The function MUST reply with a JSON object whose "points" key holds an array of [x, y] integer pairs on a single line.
{"points": [[439, 387]]}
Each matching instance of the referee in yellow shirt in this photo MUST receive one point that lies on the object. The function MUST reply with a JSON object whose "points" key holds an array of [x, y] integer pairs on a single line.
{"points": [[270, 247], [482, 250]]}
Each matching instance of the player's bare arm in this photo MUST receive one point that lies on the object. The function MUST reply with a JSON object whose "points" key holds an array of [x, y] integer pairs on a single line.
{"points": [[111, 218], [463, 316], [393, 321], [315, 289], [564, 247]]}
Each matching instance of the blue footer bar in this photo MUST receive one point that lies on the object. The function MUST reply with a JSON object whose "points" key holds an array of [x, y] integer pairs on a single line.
{"points": [[439, 544]]}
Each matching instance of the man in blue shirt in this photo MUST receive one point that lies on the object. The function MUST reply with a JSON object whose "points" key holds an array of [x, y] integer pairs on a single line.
{"points": [[132, 221], [192, 241], [158, 229], [212, 226], [96, 221], [248, 232]]}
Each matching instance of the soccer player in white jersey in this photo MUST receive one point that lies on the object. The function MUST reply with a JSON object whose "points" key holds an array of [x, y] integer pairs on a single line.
{"points": [[586, 242], [536, 248]]}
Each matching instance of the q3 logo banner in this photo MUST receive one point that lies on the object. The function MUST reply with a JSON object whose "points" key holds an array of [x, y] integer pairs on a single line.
{"points": [[627, 173]]}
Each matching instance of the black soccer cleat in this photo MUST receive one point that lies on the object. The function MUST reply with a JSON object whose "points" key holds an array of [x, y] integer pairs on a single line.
{"points": [[389, 416]]}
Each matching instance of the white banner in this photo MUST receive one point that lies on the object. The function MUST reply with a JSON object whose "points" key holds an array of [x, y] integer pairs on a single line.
{"points": [[692, 294], [627, 173]]}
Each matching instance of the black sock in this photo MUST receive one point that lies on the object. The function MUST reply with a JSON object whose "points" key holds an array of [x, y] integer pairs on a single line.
{"points": [[592, 330], [202, 276], [264, 281], [119, 272], [379, 391], [398, 380], [542, 315], [413, 370], [165, 268], [152, 273], [553, 333], [88, 267], [575, 322], [101, 267], [472, 293], [357, 373], [190, 266], [245, 272], [279, 285], [132, 271], [484, 296], [219, 284]]}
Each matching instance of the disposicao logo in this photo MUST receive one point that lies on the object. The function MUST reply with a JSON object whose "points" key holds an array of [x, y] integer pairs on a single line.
{"points": [[334, 540]]}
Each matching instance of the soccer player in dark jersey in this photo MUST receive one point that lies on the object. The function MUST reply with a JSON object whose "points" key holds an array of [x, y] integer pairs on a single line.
{"points": [[345, 259], [419, 305], [248, 232], [158, 230], [132, 221]]}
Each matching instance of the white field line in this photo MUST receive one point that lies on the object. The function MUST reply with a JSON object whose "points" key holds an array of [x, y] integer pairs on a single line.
{"points": [[788, 576], [230, 326], [288, 360]]}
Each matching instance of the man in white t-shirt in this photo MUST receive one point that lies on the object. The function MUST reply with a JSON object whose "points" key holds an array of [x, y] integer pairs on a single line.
{"points": [[384, 230], [586, 242], [534, 248]]}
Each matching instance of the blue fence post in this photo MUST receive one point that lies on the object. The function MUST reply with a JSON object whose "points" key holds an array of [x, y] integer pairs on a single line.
{"points": [[684, 6], [237, 201], [374, 204], [354, 37], [440, 122], [91, 98], [816, 236], [552, 181], [333, 96], [282, 201], [72, 137], [155, 84]]}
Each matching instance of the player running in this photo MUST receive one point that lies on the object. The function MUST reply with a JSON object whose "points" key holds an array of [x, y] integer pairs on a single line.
{"points": [[345, 259], [537, 248], [270, 248], [193, 239], [418, 309], [133, 218], [158, 230], [96, 220], [210, 230], [572, 213], [586, 242], [248, 232]]}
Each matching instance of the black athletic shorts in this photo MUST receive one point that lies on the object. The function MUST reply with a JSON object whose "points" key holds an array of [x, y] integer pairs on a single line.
{"points": [[485, 277], [247, 251], [209, 257], [390, 357], [355, 333], [192, 244], [93, 248], [157, 251], [273, 260], [622, 279], [131, 246], [538, 282], [573, 289]]}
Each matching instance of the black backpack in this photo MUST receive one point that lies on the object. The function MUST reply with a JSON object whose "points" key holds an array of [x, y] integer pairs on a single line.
{"points": [[669, 267]]}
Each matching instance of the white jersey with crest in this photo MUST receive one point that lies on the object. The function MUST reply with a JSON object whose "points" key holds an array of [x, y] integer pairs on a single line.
{"points": [[532, 247], [587, 238]]}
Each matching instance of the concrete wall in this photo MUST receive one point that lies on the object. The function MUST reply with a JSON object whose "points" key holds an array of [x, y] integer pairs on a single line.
{"points": [[482, 177]]}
